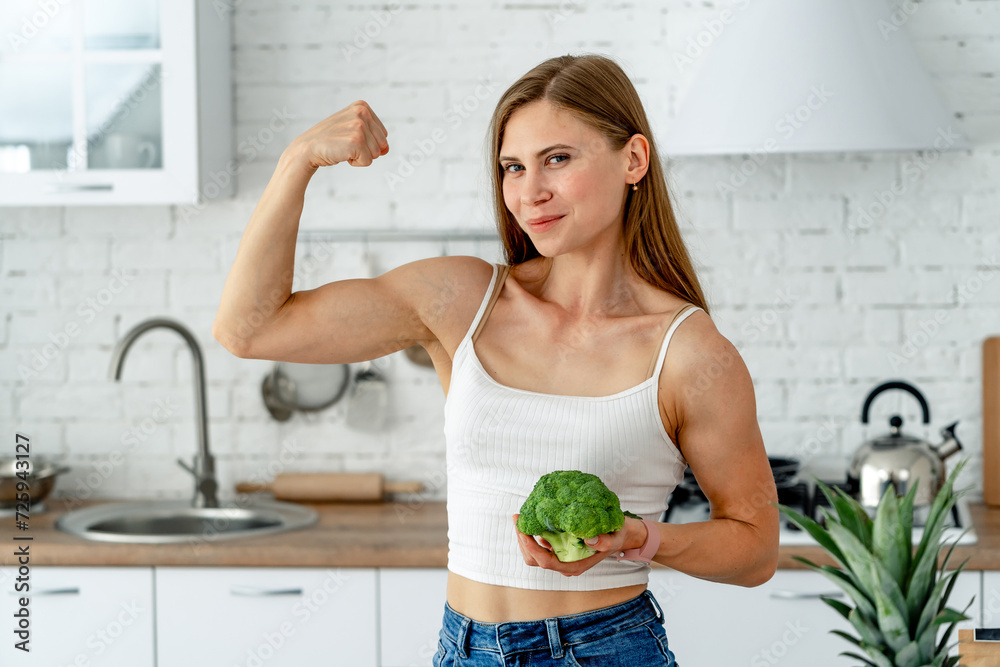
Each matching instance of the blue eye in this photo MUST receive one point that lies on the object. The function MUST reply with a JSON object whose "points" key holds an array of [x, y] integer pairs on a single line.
{"points": [[514, 164]]}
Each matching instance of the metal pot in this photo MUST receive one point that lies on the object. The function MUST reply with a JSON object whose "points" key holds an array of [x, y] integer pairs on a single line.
{"points": [[41, 479], [785, 471], [899, 459]]}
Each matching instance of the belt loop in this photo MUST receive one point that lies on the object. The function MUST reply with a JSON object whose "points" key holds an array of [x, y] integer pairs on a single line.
{"points": [[656, 605], [555, 643], [463, 637]]}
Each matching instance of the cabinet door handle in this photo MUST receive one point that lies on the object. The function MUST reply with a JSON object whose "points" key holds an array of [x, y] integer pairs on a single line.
{"points": [[57, 591], [80, 187], [256, 591], [799, 595]]}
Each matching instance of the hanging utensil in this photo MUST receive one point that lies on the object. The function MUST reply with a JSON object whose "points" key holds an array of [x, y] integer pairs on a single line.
{"points": [[418, 355], [367, 405], [291, 387]]}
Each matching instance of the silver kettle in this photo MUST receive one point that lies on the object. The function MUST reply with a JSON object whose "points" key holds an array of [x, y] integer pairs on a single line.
{"points": [[900, 459]]}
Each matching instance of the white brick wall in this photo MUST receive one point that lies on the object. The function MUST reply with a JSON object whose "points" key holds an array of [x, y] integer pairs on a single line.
{"points": [[824, 290]]}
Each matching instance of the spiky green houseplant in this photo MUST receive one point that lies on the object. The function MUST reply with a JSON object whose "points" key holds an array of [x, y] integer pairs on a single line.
{"points": [[899, 595]]}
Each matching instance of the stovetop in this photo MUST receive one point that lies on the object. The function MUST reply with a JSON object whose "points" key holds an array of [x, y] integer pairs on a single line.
{"points": [[686, 506]]}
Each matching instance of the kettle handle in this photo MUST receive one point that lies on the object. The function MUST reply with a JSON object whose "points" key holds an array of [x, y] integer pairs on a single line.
{"points": [[895, 384]]}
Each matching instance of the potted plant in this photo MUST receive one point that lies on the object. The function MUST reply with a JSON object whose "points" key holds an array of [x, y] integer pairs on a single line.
{"points": [[899, 596]]}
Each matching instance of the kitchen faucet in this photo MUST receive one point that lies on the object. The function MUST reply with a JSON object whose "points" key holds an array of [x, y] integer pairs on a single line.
{"points": [[203, 470]]}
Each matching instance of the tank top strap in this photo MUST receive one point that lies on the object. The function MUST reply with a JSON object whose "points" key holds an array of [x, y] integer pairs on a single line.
{"points": [[656, 363], [500, 272]]}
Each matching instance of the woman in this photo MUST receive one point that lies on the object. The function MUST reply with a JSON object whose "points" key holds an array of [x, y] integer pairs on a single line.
{"points": [[554, 360]]}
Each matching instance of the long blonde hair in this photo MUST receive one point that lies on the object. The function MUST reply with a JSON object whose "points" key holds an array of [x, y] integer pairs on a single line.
{"points": [[596, 90]]}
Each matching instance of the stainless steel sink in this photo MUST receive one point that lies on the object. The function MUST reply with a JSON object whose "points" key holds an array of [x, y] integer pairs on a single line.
{"points": [[201, 519], [166, 521]]}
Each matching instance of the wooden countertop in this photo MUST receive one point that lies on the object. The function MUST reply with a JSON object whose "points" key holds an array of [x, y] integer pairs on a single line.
{"points": [[393, 534], [345, 535]]}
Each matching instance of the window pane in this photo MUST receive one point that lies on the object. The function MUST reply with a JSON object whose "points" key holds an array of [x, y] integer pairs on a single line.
{"points": [[121, 25], [124, 121], [36, 115], [29, 26]]}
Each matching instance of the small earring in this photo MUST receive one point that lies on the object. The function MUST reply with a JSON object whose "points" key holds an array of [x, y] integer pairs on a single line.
{"points": [[635, 186]]}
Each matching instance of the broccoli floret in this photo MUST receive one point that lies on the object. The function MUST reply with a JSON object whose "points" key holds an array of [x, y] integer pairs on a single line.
{"points": [[567, 507]]}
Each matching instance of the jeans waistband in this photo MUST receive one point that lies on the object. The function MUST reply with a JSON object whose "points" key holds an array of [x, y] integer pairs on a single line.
{"points": [[552, 633]]}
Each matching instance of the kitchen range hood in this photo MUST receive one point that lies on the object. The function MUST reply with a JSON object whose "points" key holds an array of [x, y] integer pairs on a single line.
{"points": [[806, 76]]}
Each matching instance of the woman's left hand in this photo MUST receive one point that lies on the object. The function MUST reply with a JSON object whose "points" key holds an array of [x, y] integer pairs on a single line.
{"points": [[539, 552]]}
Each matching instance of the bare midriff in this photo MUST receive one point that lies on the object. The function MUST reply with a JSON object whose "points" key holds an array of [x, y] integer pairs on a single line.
{"points": [[489, 603]]}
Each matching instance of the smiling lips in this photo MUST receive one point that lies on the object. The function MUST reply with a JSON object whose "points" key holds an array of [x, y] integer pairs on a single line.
{"points": [[538, 224]]}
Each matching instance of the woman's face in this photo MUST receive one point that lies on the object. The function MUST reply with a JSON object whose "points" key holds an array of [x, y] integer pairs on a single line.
{"points": [[553, 164]]}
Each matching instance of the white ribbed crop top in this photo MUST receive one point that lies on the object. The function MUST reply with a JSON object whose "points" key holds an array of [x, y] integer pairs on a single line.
{"points": [[500, 440]]}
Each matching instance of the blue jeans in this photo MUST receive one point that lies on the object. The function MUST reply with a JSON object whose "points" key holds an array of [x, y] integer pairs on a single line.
{"points": [[629, 634]]}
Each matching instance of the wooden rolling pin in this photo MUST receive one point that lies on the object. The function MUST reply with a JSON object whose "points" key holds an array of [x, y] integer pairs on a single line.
{"points": [[322, 487]]}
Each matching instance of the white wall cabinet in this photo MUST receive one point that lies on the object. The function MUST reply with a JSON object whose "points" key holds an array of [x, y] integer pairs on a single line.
{"points": [[278, 617], [411, 608], [94, 616], [115, 102], [781, 622]]}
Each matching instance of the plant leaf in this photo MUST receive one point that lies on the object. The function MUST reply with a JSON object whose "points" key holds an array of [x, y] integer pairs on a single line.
{"points": [[864, 520], [891, 621], [947, 556], [858, 657], [888, 540], [842, 609], [849, 583], [908, 656], [921, 574], [851, 638], [950, 586], [815, 530], [925, 640], [943, 649], [906, 519], [876, 654], [893, 594], [890, 605], [949, 616], [930, 604], [935, 519], [849, 513], [867, 628], [859, 559], [920, 583]]}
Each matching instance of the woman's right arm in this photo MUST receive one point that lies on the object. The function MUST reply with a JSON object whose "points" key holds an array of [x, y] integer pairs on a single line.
{"points": [[343, 321]]}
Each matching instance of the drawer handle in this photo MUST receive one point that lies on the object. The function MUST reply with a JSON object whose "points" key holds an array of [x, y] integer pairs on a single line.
{"points": [[798, 595], [58, 591], [81, 187], [255, 591]]}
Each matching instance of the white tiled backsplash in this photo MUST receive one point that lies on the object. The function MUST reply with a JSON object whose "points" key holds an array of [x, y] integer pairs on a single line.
{"points": [[822, 302]]}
